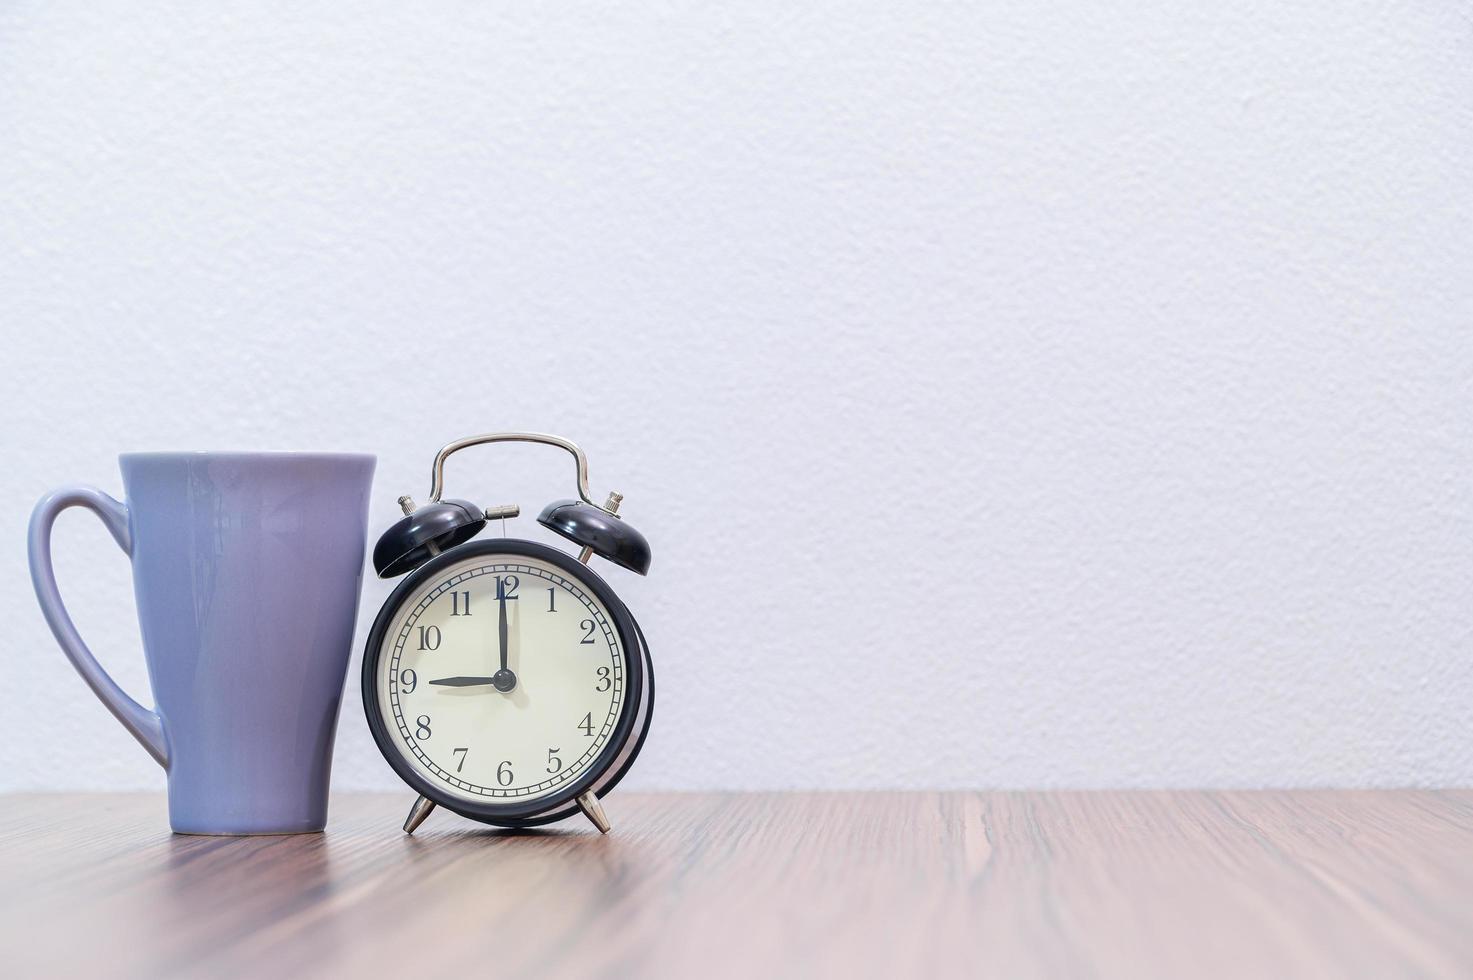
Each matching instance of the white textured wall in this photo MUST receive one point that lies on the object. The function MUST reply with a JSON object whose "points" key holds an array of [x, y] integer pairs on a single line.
{"points": [[1014, 394]]}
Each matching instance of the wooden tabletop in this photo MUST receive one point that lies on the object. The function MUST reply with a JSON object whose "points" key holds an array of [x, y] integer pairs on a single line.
{"points": [[1123, 884]]}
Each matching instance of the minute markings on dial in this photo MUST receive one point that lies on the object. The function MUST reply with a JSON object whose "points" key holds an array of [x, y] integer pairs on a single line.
{"points": [[608, 699]]}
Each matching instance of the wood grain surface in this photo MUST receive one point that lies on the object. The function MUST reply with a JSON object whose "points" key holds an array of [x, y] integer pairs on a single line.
{"points": [[1128, 884]]}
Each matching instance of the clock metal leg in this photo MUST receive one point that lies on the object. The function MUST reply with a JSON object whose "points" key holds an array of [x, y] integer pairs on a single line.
{"points": [[594, 811], [417, 814]]}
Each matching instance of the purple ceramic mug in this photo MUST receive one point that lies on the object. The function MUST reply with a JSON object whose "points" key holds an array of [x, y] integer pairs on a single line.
{"points": [[246, 570]]}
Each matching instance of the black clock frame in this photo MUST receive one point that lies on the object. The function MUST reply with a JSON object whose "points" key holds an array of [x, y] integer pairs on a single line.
{"points": [[640, 688]]}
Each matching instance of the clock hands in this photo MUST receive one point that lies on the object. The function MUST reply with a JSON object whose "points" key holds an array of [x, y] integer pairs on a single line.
{"points": [[504, 680]]}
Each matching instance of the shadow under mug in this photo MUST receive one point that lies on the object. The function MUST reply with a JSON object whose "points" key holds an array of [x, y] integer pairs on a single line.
{"points": [[247, 569]]}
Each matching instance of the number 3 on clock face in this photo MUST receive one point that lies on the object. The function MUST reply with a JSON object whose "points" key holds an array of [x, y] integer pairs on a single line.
{"points": [[503, 680]]}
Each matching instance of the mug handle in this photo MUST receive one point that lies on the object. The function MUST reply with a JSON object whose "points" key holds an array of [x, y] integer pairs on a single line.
{"points": [[145, 725]]}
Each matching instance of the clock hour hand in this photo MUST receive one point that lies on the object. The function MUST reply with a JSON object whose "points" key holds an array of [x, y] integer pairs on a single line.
{"points": [[463, 681]]}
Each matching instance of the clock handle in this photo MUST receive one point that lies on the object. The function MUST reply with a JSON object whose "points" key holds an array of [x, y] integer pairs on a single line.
{"points": [[145, 725], [437, 474]]}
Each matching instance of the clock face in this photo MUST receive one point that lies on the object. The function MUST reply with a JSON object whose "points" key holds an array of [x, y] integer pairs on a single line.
{"points": [[501, 679]]}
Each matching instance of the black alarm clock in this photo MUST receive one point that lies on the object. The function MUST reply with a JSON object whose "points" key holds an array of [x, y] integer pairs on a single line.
{"points": [[504, 679]]}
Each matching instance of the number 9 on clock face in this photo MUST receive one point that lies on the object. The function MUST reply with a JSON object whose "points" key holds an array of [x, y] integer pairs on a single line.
{"points": [[503, 683]]}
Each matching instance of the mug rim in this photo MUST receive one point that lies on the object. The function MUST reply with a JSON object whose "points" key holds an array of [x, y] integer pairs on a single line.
{"points": [[283, 454]]}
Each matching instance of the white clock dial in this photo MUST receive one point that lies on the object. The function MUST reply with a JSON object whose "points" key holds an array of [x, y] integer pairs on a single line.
{"points": [[501, 727]]}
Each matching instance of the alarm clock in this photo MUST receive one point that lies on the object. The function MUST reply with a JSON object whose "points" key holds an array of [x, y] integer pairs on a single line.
{"points": [[504, 679]]}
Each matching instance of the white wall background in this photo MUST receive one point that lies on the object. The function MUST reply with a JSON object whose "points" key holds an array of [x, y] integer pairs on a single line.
{"points": [[1014, 394]]}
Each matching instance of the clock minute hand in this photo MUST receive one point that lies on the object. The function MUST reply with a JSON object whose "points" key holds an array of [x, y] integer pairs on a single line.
{"points": [[504, 679], [501, 624]]}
